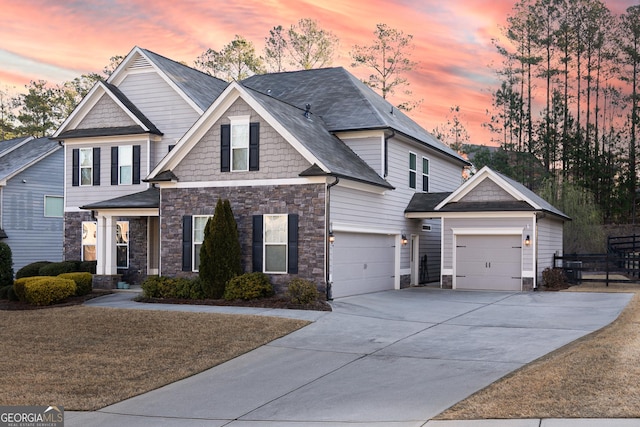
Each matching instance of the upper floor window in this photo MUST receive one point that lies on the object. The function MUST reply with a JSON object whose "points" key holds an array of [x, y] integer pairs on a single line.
{"points": [[239, 145], [125, 165], [425, 174], [85, 166], [412, 170]]}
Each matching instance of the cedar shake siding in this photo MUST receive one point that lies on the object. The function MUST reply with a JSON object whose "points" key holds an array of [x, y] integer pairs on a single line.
{"points": [[305, 201]]}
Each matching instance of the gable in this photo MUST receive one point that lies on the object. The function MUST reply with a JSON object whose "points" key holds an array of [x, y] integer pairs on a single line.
{"points": [[278, 159], [105, 114], [485, 191]]}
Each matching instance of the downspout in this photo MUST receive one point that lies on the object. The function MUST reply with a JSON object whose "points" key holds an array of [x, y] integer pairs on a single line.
{"points": [[327, 244]]}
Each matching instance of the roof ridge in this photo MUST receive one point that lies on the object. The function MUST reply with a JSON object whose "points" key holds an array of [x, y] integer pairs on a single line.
{"points": [[179, 63]]}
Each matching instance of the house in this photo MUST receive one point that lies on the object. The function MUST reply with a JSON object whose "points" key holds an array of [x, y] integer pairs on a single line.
{"points": [[318, 168], [31, 199], [498, 234]]}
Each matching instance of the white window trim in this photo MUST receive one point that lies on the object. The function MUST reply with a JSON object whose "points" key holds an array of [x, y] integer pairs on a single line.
{"points": [[194, 267], [123, 244], [427, 174], [122, 162], [265, 244], [239, 121], [44, 207], [413, 171], [80, 167]]}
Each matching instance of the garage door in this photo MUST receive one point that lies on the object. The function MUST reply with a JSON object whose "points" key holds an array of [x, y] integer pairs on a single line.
{"points": [[362, 263], [489, 262]]}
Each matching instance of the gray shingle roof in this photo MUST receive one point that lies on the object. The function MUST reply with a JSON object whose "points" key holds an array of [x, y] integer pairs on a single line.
{"points": [[313, 134], [82, 133], [16, 160], [343, 102], [10, 144], [134, 110], [202, 88], [425, 202], [149, 198]]}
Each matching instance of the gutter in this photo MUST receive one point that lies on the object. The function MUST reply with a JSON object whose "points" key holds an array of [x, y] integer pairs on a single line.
{"points": [[327, 244]]}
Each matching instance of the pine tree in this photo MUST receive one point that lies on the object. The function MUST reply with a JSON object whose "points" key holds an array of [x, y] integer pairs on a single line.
{"points": [[220, 254]]}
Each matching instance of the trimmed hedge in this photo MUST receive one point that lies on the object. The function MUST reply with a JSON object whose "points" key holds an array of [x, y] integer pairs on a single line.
{"points": [[302, 291], [172, 287], [248, 286], [58, 268], [31, 270], [84, 282], [47, 290]]}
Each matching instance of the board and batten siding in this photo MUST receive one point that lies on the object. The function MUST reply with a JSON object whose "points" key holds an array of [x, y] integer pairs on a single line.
{"points": [[380, 212], [549, 243], [162, 105], [81, 195], [32, 236], [277, 158]]}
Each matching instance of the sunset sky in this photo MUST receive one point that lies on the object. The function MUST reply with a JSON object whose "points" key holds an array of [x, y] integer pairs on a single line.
{"points": [[58, 40]]}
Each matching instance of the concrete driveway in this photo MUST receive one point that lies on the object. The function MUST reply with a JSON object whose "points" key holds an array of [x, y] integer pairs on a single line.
{"points": [[395, 358]]}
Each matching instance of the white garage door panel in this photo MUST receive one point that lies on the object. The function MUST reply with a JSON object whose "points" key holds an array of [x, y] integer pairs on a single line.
{"points": [[488, 262], [362, 263]]}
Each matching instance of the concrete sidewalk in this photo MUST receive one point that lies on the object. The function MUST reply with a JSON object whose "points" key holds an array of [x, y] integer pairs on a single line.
{"points": [[395, 358]]}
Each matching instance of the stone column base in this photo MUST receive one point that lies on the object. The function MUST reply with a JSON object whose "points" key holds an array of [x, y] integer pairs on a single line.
{"points": [[447, 282], [527, 283], [101, 281]]}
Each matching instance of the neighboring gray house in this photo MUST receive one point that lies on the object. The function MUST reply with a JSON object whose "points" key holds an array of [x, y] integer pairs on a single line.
{"points": [[318, 169], [31, 199], [498, 234]]}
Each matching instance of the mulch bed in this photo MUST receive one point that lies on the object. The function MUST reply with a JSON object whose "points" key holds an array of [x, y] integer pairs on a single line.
{"points": [[275, 301]]}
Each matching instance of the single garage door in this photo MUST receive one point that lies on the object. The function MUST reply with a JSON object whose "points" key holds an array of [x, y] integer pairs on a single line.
{"points": [[489, 262], [362, 263]]}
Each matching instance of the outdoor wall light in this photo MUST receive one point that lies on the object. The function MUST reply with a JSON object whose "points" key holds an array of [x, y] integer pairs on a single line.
{"points": [[403, 239], [332, 238], [527, 241]]}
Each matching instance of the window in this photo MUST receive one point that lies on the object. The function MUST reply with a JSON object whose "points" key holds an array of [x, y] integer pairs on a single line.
{"points": [[199, 224], [275, 243], [122, 244], [239, 145], [425, 174], [412, 170], [125, 165], [89, 239], [86, 166], [53, 206]]}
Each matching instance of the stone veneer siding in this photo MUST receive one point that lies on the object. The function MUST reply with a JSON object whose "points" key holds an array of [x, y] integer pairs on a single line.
{"points": [[527, 284], [447, 282], [308, 201], [137, 271]]}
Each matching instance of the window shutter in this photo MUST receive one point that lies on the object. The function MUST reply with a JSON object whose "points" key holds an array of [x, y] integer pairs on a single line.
{"points": [[75, 179], [136, 164], [187, 221], [225, 148], [292, 233], [256, 253], [114, 165], [96, 166], [254, 146]]}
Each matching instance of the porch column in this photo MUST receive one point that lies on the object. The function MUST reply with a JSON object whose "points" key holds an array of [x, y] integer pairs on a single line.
{"points": [[106, 246]]}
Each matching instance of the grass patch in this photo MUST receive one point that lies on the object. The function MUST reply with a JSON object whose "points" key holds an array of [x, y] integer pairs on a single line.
{"points": [[597, 376], [85, 358]]}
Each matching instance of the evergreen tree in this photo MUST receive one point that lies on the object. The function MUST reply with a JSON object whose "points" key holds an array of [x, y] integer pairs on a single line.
{"points": [[6, 265], [220, 254], [236, 61]]}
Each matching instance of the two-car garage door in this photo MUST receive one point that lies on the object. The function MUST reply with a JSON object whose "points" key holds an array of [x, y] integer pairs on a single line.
{"points": [[488, 262], [362, 263]]}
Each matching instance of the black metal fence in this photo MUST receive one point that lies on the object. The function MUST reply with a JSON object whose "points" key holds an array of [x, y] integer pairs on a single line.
{"points": [[601, 267]]}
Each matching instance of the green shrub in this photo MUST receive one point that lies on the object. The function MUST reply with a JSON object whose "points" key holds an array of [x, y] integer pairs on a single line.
{"points": [[554, 278], [302, 291], [47, 290], [171, 287], [84, 281], [6, 265], [12, 294], [4, 291], [19, 286], [31, 270], [57, 268], [248, 286]]}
